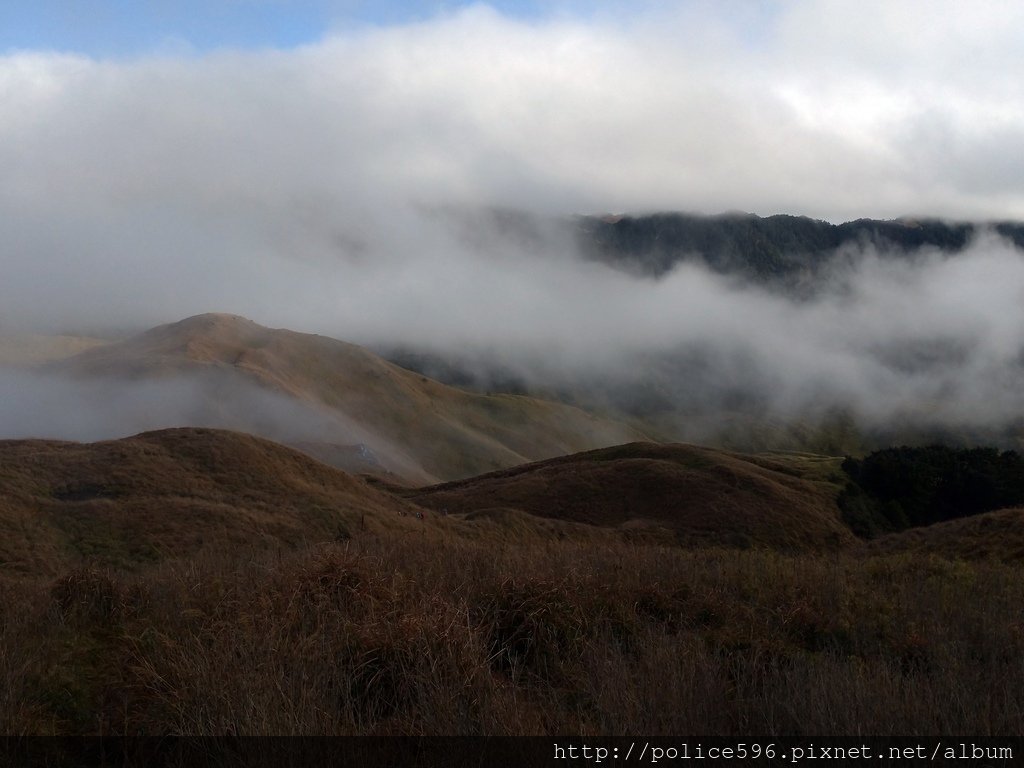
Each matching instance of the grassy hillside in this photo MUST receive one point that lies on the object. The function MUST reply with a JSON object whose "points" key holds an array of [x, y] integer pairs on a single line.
{"points": [[997, 535], [174, 493], [200, 582], [395, 635], [420, 428], [698, 494], [184, 492]]}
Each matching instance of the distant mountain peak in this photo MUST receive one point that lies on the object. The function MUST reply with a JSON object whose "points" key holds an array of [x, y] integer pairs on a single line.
{"points": [[418, 427], [208, 322]]}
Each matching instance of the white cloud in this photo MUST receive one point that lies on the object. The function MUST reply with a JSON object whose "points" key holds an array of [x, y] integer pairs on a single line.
{"points": [[295, 186], [811, 109]]}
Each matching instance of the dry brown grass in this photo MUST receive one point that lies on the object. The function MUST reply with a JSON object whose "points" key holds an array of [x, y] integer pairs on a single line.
{"points": [[699, 494], [178, 493], [173, 493], [997, 535], [386, 635], [195, 582]]}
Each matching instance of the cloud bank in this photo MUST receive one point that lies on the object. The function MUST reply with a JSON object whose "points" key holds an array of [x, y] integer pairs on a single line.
{"points": [[321, 188]]}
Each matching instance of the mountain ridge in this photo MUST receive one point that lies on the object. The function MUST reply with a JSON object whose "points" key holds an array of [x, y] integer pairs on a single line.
{"points": [[781, 250], [420, 428]]}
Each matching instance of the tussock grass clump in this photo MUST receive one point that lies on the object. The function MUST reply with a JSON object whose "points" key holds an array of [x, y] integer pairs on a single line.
{"points": [[415, 635], [539, 628], [92, 595]]}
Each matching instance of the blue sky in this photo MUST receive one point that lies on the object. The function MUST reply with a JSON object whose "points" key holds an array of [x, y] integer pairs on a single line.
{"points": [[125, 28]]}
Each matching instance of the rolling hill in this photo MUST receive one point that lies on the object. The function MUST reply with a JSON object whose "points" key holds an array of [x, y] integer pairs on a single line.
{"points": [[411, 628], [332, 392], [183, 493], [698, 495], [180, 493], [173, 493]]}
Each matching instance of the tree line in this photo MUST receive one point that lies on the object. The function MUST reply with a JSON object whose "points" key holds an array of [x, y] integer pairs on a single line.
{"points": [[899, 488]]}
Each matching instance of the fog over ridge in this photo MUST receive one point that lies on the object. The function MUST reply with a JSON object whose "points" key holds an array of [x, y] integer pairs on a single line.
{"points": [[929, 336], [336, 187]]}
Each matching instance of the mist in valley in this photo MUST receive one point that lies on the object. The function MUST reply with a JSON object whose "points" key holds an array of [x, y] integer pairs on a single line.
{"points": [[413, 188]]}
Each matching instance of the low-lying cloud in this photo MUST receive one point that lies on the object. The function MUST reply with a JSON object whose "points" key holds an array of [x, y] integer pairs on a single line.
{"points": [[334, 188], [46, 404], [35, 404], [930, 338]]}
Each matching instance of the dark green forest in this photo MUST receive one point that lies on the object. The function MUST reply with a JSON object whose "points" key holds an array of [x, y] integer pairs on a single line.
{"points": [[772, 249], [899, 488]]}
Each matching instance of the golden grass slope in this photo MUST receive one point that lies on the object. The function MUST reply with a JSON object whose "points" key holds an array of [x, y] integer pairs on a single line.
{"points": [[702, 495], [443, 432], [173, 493], [182, 493]]}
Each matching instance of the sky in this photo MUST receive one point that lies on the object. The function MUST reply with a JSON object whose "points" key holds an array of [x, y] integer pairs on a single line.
{"points": [[319, 166], [121, 29], [829, 108]]}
